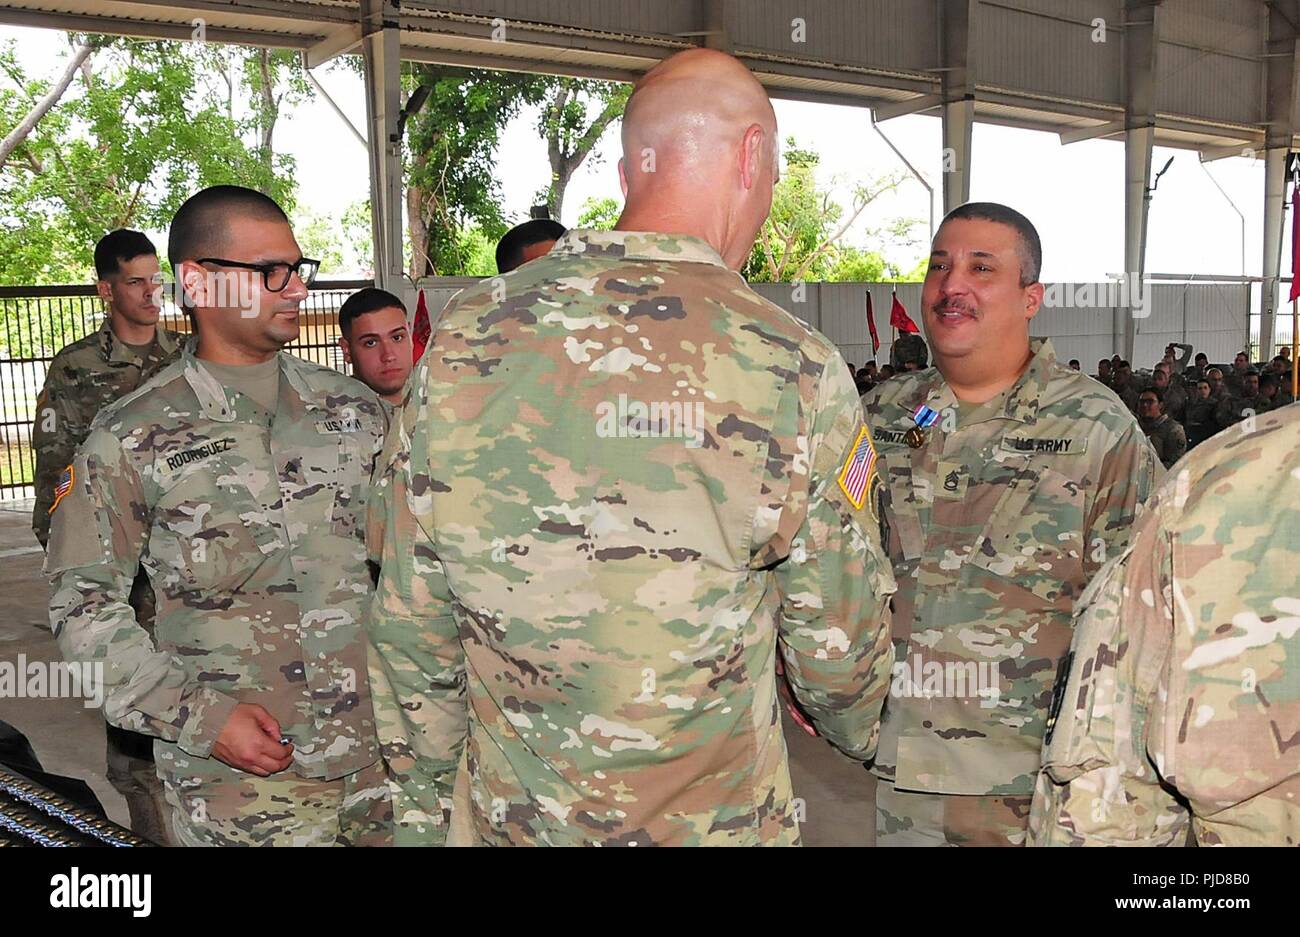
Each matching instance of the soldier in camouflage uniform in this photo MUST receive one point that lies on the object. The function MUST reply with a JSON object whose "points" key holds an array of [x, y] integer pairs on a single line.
{"points": [[1012, 478], [642, 483], [909, 348], [94, 371], [1245, 402], [1173, 393], [1165, 434], [1179, 706], [85, 376], [237, 478]]}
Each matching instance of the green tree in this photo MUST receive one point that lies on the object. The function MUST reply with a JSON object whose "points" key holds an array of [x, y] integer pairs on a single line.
{"points": [[358, 237], [454, 118], [319, 236], [125, 145], [480, 253], [599, 213], [804, 236], [575, 116]]}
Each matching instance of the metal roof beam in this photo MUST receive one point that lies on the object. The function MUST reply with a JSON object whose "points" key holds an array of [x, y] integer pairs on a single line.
{"points": [[1079, 134], [343, 39], [922, 102]]}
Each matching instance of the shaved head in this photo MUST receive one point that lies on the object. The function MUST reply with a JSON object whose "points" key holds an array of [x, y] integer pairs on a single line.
{"points": [[700, 152], [202, 225]]}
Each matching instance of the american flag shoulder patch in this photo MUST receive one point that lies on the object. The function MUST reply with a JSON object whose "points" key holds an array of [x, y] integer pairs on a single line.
{"points": [[62, 487], [855, 477]]}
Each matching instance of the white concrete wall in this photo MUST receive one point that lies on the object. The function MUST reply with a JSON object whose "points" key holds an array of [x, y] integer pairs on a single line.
{"points": [[1212, 317]]}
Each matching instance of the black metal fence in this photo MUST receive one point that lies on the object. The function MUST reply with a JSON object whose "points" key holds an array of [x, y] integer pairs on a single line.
{"points": [[37, 321]]}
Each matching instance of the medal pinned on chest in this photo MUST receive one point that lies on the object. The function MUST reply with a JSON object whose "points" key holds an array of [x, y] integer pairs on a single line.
{"points": [[924, 418]]}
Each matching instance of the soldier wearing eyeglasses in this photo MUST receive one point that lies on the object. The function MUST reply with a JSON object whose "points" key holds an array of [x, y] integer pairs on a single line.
{"points": [[237, 478]]}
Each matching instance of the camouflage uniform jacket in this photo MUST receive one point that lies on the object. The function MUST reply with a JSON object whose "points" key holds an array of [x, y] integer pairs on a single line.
{"points": [[417, 668], [82, 379], [250, 528], [1175, 402], [1233, 408], [627, 463], [1186, 656], [998, 522], [1167, 438]]}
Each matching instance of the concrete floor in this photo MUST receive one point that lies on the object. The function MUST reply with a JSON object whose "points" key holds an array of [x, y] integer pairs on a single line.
{"points": [[69, 738]]}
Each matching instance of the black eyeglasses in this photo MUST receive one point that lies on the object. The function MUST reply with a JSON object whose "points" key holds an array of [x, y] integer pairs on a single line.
{"points": [[275, 276]]}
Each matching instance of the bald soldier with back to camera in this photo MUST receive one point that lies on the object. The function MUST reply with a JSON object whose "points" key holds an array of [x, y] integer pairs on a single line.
{"points": [[237, 477], [1012, 479], [644, 483]]}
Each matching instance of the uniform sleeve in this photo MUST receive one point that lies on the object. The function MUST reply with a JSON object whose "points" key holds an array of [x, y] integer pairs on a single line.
{"points": [[836, 582], [1129, 473], [417, 668], [97, 537], [1176, 445], [53, 434], [1099, 784]]}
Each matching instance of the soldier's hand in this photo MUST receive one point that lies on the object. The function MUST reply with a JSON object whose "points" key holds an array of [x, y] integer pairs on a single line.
{"points": [[250, 741], [791, 705]]}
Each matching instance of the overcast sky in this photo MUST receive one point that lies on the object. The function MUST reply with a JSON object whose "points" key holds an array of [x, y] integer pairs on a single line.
{"points": [[1074, 194]]}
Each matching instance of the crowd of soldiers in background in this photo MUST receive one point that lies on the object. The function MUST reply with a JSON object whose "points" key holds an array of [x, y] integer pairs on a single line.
{"points": [[1178, 405]]}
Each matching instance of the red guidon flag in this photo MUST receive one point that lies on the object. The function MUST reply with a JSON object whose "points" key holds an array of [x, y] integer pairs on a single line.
{"points": [[899, 318], [871, 326], [421, 330]]}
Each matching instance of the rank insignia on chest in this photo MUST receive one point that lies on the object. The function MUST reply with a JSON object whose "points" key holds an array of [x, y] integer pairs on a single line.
{"points": [[62, 486], [855, 476], [953, 480]]}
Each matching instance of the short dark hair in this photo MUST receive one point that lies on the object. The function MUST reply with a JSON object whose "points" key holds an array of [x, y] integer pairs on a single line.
{"points": [[1202, 356], [200, 224], [1268, 380], [1105, 361], [510, 250], [363, 301], [117, 247], [1031, 248], [1074, 361], [1159, 394]]}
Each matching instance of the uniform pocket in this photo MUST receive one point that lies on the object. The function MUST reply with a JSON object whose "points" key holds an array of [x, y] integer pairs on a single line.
{"points": [[1034, 537], [209, 533], [352, 485]]}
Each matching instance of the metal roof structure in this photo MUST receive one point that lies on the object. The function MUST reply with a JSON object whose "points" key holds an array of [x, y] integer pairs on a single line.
{"points": [[1217, 76]]}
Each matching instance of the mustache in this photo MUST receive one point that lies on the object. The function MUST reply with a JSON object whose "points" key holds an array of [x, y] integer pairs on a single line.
{"points": [[955, 305]]}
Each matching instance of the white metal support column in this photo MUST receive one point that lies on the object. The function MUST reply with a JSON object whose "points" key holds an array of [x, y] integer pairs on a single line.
{"points": [[382, 53], [1141, 39], [1279, 99], [957, 90]]}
